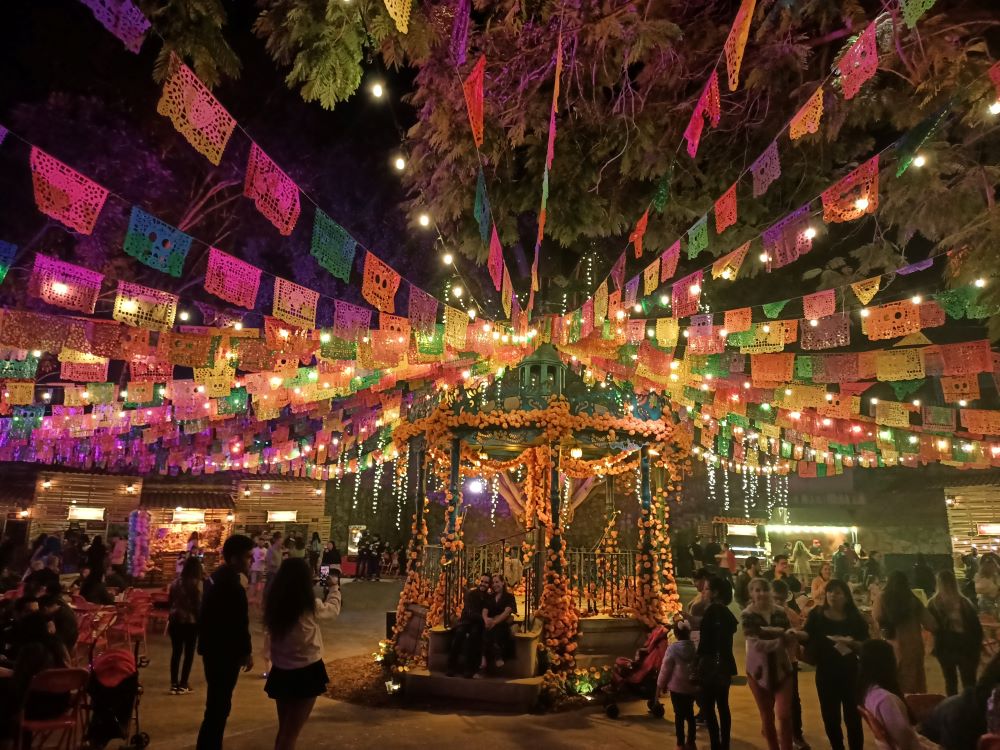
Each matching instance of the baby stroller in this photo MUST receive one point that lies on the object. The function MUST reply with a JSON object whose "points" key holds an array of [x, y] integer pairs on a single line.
{"points": [[639, 674], [115, 691]]}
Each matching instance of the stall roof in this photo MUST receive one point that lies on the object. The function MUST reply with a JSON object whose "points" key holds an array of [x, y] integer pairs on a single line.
{"points": [[183, 493]]}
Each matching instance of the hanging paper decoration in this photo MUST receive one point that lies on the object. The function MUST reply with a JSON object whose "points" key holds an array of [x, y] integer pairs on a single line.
{"points": [[272, 191], [506, 292], [899, 364], [921, 265], [81, 367], [685, 295], [820, 304], [195, 113], [668, 262], [332, 246], [697, 237], [736, 42], [456, 327], [725, 210], [399, 12], [772, 368], [631, 292], [123, 19], [473, 88], [495, 262], [807, 119], [969, 358], [459, 46], [892, 414], [981, 421], [351, 322], [380, 284], [892, 320], [904, 388], [64, 194], [155, 243], [601, 303], [614, 305], [8, 251], [773, 309], [728, 266], [638, 233], [618, 272], [766, 169], [19, 394], [295, 304], [859, 63], [185, 349], [788, 239], [708, 106], [144, 307], [854, 195], [231, 279], [829, 332], [481, 209], [64, 284], [650, 278], [866, 290], [956, 388], [667, 330], [738, 320]]}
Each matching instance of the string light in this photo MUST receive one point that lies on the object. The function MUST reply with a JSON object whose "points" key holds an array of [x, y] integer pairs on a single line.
{"points": [[494, 498], [424, 220], [376, 486], [377, 90], [725, 488], [711, 479], [995, 107], [919, 160], [357, 480], [399, 163]]}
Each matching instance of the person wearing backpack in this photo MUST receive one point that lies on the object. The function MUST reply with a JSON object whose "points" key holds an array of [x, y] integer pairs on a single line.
{"points": [[678, 676]]}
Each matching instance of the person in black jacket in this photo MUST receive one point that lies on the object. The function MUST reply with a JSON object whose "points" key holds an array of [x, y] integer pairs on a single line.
{"points": [[716, 662], [224, 638]]}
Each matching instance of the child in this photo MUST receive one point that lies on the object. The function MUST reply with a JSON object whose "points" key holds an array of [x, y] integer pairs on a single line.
{"points": [[795, 619], [677, 676]]}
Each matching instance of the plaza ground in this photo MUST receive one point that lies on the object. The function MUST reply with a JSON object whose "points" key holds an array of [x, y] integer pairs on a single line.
{"points": [[172, 721]]}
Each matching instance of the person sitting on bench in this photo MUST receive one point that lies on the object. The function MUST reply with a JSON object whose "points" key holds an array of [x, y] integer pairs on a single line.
{"points": [[467, 635], [499, 637]]}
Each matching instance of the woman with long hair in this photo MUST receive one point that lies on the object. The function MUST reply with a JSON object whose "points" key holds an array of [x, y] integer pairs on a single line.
{"points": [[901, 617], [716, 664], [836, 630], [958, 633], [297, 675], [315, 550], [97, 555], [801, 558], [182, 623], [818, 589], [881, 696], [768, 667], [987, 582]]}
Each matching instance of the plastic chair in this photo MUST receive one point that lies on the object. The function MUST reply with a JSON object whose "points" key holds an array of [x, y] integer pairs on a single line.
{"points": [[922, 704], [68, 725], [877, 727], [132, 624], [93, 637], [989, 742]]}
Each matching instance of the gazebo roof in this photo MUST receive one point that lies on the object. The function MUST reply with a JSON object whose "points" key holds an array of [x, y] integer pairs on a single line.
{"points": [[546, 354]]}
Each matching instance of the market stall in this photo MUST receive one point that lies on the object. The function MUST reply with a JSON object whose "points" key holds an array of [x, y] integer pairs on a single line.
{"points": [[291, 506]]}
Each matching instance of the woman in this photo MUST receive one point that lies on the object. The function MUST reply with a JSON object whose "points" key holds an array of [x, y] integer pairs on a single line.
{"points": [[716, 665], [958, 722], [315, 550], [901, 617], [297, 550], [958, 634], [93, 589], [498, 638], [835, 631], [182, 623], [194, 544], [818, 588], [97, 555], [987, 583], [882, 698], [331, 555], [801, 558], [297, 674], [768, 667], [751, 570]]}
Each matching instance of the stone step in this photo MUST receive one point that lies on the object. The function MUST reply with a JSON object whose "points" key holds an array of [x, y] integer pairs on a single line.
{"points": [[586, 661], [523, 664], [507, 694]]}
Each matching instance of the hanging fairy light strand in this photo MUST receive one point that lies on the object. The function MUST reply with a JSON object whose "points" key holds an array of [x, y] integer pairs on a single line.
{"points": [[710, 465], [494, 497], [725, 487], [357, 481]]}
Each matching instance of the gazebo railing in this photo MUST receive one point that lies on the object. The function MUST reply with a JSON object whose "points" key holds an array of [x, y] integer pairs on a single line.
{"points": [[602, 581]]}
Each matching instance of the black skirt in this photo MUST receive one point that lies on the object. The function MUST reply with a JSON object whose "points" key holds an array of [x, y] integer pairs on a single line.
{"points": [[301, 683]]}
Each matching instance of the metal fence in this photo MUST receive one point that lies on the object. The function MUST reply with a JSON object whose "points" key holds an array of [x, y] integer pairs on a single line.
{"points": [[603, 582]]}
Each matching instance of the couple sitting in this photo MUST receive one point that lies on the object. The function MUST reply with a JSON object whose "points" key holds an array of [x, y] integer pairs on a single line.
{"points": [[484, 631]]}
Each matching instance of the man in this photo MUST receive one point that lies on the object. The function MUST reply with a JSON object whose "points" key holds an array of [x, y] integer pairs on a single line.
{"points": [[710, 556], [696, 553], [780, 572], [499, 635], [751, 570], [841, 563], [224, 638], [727, 563], [467, 635]]}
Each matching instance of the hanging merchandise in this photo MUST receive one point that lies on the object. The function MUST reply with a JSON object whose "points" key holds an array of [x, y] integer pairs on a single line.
{"points": [[195, 113], [231, 279], [155, 243], [272, 191], [64, 194]]}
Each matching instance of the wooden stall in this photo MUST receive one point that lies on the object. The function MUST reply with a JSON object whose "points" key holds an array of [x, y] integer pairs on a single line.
{"points": [[178, 506], [291, 506], [96, 504]]}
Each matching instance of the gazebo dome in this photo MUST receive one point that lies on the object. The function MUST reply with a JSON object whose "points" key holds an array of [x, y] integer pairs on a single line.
{"points": [[542, 373]]}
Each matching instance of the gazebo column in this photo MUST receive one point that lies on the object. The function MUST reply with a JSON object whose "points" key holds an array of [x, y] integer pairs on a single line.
{"points": [[646, 519], [555, 543], [451, 520]]}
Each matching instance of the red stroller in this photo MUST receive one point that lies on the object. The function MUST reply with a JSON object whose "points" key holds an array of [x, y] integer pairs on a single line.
{"points": [[639, 674], [114, 698]]}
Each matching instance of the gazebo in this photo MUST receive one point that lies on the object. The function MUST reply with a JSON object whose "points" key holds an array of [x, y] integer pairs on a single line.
{"points": [[547, 419]]}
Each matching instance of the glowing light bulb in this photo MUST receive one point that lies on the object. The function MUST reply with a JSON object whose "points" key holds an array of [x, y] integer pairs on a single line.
{"points": [[377, 90], [916, 402], [448, 259], [873, 400], [651, 332], [766, 328], [916, 299], [60, 288], [472, 313], [399, 163], [424, 220], [184, 315], [456, 291], [637, 307], [809, 233], [963, 402], [920, 160], [814, 322], [36, 353], [861, 204], [865, 312], [238, 326], [723, 333], [980, 282], [695, 289], [620, 315], [664, 300], [764, 257], [995, 107]]}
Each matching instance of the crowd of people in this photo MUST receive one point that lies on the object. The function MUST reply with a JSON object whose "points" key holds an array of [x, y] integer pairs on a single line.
{"points": [[869, 657]]}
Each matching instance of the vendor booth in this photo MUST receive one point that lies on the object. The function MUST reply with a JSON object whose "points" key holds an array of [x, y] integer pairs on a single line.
{"points": [[292, 506]]}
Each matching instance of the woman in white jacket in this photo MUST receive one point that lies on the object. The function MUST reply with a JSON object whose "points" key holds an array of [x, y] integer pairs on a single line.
{"points": [[297, 676]]}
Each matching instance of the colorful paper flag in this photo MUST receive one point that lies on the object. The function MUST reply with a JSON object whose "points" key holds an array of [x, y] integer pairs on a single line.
{"points": [[272, 191], [64, 194], [156, 244], [332, 246], [231, 279], [380, 284], [473, 88], [64, 284], [195, 113]]}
